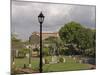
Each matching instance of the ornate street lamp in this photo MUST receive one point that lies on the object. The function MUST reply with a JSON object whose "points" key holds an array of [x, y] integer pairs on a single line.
{"points": [[41, 19]]}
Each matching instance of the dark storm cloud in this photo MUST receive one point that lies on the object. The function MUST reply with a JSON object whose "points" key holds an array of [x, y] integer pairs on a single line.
{"points": [[25, 21]]}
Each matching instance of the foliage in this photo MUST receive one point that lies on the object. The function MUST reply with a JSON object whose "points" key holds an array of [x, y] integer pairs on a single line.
{"points": [[77, 37], [45, 51], [90, 52], [16, 43], [34, 39], [69, 31], [25, 50], [22, 52], [51, 42], [61, 59], [54, 43]]}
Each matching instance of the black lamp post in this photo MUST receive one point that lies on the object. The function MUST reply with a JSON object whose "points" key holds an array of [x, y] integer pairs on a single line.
{"points": [[41, 19]]}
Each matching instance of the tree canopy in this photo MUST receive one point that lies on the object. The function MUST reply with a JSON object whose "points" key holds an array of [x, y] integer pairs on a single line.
{"points": [[34, 39], [15, 42], [75, 34]]}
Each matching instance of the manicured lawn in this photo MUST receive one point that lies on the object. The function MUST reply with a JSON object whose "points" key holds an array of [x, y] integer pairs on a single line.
{"points": [[65, 67], [19, 62], [69, 65]]}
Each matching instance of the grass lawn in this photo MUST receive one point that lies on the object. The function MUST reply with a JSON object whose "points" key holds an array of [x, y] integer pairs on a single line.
{"points": [[69, 65], [19, 62], [65, 67]]}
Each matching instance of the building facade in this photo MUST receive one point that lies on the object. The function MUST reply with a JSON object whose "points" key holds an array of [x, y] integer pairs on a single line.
{"points": [[47, 34]]}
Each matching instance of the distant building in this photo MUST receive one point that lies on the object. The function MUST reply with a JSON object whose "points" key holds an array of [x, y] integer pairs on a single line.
{"points": [[47, 34], [44, 36]]}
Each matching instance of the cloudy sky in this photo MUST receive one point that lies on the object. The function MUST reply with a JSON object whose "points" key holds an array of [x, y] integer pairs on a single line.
{"points": [[25, 17]]}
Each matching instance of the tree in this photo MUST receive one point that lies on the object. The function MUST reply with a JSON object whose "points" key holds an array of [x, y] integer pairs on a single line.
{"points": [[16, 43], [68, 33], [92, 50], [77, 37], [51, 44], [54, 43], [34, 39]]}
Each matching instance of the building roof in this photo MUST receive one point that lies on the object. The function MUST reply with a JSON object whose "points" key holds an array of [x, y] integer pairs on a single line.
{"points": [[47, 34]]}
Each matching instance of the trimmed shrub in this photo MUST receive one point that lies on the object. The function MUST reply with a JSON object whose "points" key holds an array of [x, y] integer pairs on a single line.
{"points": [[61, 59]]}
